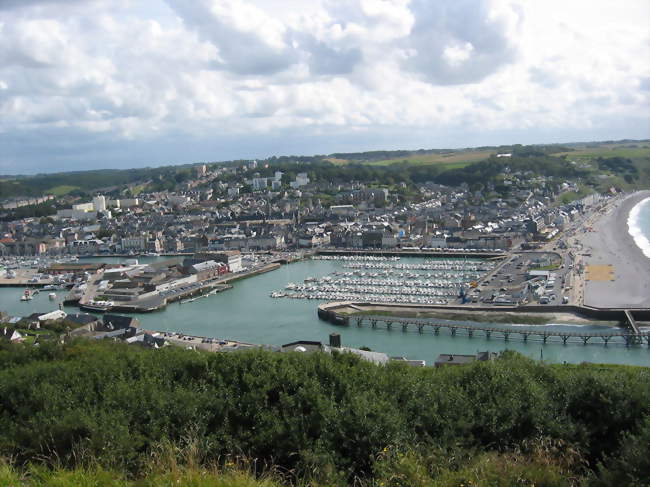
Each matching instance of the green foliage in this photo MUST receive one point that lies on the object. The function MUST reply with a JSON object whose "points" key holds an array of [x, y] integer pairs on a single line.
{"points": [[61, 190], [40, 210], [318, 416]]}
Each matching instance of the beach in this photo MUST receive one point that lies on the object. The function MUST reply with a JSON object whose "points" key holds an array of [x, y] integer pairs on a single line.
{"points": [[616, 272]]}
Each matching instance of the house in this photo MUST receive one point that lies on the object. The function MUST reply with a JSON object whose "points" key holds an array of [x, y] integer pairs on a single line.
{"points": [[456, 359], [52, 316], [412, 363], [118, 322], [82, 319], [11, 335], [304, 346]]}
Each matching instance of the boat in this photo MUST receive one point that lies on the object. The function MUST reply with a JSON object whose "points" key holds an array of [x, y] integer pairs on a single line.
{"points": [[27, 295], [97, 306], [52, 296]]}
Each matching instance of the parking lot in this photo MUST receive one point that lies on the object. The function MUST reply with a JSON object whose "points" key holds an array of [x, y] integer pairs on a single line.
{"points": [[505, 283]]}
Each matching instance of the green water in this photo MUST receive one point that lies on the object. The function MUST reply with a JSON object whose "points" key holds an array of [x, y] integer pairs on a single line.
{"points": [[247, 313]]}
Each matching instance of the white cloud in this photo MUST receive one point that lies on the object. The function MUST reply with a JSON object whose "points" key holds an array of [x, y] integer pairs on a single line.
{"points": [[250, 68]]}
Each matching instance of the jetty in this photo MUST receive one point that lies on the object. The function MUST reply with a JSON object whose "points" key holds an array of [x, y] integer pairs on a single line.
{"points": [[376, 316], [504, 332]]}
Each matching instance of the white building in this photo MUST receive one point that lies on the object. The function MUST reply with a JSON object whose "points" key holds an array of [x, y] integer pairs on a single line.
{"points": [[99, 203], [301, 180], [259, 183], [84, 207]]}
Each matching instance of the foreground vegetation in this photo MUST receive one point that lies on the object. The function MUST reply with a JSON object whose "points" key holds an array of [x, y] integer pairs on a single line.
{"points": [[107, 410]]}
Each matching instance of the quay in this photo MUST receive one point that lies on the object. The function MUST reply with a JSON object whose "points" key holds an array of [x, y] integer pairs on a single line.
{"points": [[158, 300], [629, 331], [484, 254]]}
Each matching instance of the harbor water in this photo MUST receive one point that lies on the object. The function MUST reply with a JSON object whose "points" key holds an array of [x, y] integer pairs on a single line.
{"points": [[247, 313]]}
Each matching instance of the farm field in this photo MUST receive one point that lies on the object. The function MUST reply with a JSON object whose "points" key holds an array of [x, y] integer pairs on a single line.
{"points": [[61, 190], [610, 150], [451, 160]]}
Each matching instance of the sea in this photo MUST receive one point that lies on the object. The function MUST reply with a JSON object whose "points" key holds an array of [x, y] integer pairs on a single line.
{"points": [[247, 313], [639, 225]]}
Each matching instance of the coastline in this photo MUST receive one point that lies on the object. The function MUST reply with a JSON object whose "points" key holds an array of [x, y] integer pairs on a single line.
{"points": [[610, 244], [634, 227]]}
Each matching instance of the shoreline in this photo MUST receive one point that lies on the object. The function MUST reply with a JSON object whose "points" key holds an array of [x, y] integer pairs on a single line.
{"points": [[634, 228], [610, 246]]}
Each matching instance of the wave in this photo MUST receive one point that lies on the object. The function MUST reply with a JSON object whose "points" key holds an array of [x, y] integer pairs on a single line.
{"points": [[635, 230]]}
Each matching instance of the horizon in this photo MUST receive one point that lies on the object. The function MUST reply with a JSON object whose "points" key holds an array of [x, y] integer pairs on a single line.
{"points": [[265, 158], [97, 84]]}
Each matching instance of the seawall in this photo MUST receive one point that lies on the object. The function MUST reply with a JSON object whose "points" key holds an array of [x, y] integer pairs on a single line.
{"points": [[330, 311]]}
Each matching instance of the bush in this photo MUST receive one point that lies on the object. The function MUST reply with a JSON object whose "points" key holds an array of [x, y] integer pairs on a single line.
{"points": [[313, 415]]}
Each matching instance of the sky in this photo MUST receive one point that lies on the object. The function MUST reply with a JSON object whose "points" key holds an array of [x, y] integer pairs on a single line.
{"points": [[88, 84]]}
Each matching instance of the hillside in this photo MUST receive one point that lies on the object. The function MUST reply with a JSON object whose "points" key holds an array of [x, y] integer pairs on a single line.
{"points": [[317, 419], [425, 161]]}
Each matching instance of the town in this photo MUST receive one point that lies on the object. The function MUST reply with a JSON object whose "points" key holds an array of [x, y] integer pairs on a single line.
{"points": [[512, 240]]}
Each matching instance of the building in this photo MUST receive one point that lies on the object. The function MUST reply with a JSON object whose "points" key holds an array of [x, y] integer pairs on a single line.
{"points": [[259, 184], [208, 270], [232, 258], [137, 243], [11, 335], [99, 203], [342, 210], [301, 180], [456, 359]]}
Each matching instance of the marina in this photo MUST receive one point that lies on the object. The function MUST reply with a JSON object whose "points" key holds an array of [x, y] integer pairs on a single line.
{"points": [[390, 280]]}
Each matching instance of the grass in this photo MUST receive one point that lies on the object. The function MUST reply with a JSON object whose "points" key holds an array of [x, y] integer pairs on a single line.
{"points": [[570, 196], [451, 160], [34, 476], [29, 336], [136, 190], [609, 150], [61, 190], [549, 464]]}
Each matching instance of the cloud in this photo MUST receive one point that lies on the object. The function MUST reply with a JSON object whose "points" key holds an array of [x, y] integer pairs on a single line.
{"points": [[460, 42], [247, 39], [128, 73]]}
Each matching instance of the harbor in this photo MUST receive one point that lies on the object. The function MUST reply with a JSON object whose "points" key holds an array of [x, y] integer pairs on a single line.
{"points": [[247, 313]]}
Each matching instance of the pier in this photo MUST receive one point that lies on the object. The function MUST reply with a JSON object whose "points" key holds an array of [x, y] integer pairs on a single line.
{"points": [[630, 322], [488, 332]]}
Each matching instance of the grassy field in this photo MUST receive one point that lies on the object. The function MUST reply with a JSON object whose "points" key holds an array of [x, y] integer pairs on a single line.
{"points": [[609, 150], [451, 160], [61, 190]]}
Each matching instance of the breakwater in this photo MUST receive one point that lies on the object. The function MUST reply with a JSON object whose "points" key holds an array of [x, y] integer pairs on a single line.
{"points": [[481, 254], [346, 313]]}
